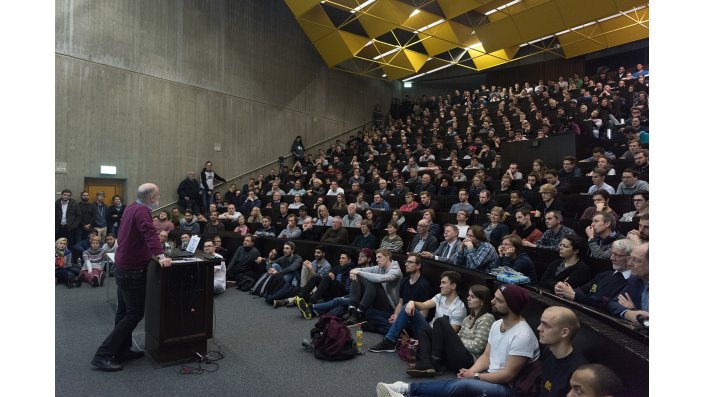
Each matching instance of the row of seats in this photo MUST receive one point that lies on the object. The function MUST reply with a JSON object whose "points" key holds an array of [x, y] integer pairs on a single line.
{"points": [[602, 338]]}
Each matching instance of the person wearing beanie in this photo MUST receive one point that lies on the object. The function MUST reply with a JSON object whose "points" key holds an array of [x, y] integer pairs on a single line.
{"points": [[511, 346]]}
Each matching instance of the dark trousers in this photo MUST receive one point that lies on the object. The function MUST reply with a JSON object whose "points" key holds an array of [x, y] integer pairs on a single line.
{"points": [[69, 234], [365, 295], [326, 289], [443, 343], [131, 295]]}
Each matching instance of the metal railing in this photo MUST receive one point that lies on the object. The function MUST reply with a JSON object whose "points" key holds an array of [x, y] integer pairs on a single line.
{"points": [[238, 179]]}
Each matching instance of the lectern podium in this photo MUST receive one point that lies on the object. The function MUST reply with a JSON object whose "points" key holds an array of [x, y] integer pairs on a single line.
{"points": [[178, 318]]}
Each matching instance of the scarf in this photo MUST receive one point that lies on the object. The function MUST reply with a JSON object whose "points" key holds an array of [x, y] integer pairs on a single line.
{"points": [[524, 233]]}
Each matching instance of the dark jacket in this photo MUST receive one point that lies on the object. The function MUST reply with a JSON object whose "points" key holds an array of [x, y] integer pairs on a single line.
{"points": [[73, 214], [188, 188]]}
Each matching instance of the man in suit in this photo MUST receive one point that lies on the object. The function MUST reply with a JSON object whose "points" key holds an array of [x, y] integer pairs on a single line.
{"points": [[448, 249], [632, 303], [423, 241], [605, 285]]}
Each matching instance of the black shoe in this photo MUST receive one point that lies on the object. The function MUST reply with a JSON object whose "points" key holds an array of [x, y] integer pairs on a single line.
{"points": [[358, 317], [94, 281], [350, 314], [384, 346], [106, 365], [102, 279], [78, 281], [71, 282], [129, 355]]}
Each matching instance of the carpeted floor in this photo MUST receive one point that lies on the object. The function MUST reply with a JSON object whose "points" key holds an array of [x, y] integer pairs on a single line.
{"points": [[262, 347]]}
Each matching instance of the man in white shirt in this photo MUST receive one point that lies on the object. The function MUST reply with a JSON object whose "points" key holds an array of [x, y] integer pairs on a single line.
{"points": [[334, 189], [511, 346], [219, 270], [231, 215], [447, 303]]}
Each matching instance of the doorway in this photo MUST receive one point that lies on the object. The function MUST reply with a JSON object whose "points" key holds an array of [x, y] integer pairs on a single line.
{"points": [[111, 187]]}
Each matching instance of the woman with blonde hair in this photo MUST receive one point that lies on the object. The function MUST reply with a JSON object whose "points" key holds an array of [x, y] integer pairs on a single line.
{"points": [[323, 216], [62, 264], [255, 216]]}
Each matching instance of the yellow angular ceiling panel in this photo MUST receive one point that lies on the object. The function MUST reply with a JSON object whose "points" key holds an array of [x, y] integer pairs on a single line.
{"points": [[383, 16], [300, 7], [333, 49], [453, 8], [498, 35], [577, 12], [395, 73], [354, 42], [400, 60], [539, 21], [374, 49], [421, 20], [314, 31], [316, 24], [416, 59], [493, 59], [626, 35], [444, 38]]}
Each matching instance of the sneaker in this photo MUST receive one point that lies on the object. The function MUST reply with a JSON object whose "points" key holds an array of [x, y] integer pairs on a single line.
{"points": [[102, 278], [291, 302], [303, 307], [384, 346], [94, 281], [358, 317], [279, 303], [389, 390], [230, 284], [350, 314]]}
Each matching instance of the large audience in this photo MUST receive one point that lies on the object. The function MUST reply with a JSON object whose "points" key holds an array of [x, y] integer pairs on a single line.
{"points": [[428, 180]]}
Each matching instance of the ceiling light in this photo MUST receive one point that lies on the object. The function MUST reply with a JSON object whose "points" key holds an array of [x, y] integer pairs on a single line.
{"points": [[392, 51], [370, 42], [430, 25], [384, 75], [490, 12], [407, 84], [473, 46], [361, 6], [416, 11]]}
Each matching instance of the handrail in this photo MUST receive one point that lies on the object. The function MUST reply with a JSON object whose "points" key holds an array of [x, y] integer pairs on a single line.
{"points": [[266, 165]]}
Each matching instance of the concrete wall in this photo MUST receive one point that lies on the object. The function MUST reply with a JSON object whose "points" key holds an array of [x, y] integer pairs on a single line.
{"points": [[152, 86]]}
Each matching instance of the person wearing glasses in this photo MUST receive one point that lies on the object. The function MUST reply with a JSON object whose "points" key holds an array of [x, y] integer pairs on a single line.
{"points": [[632, 303], [631, 183], [641, 205], [423, 240], [605, 285]]}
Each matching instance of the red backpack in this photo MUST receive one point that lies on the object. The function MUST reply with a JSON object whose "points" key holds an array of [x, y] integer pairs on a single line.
{"points": [[332, 340]]}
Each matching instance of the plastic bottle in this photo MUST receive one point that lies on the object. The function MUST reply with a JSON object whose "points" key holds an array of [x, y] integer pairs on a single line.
{"points": [[359, 335]]}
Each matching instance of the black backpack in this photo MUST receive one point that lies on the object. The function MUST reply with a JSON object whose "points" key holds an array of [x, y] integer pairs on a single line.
{"points": [[331, 339]]}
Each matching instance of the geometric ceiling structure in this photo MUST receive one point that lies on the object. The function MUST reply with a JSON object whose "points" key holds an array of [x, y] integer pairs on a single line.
{"points": [[405, 39]]}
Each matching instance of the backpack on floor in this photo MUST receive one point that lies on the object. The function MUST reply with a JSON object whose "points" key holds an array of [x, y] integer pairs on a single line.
{"points": [[276, 282], [259, 287], [331, 340], [246, 283]]}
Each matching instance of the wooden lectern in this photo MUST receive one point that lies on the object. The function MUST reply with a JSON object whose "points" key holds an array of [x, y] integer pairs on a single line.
{"points": [[178, 318]]}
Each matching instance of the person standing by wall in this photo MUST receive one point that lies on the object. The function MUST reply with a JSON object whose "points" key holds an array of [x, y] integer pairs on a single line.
{"points": [[208, 177]]}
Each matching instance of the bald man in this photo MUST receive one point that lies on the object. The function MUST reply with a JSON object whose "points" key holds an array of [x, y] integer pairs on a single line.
{"points": [[139, 245], [594, 380], [558, 358]]}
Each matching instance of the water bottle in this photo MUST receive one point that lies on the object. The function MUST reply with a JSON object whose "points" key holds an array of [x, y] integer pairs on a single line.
{"points": [[359, 335]]}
